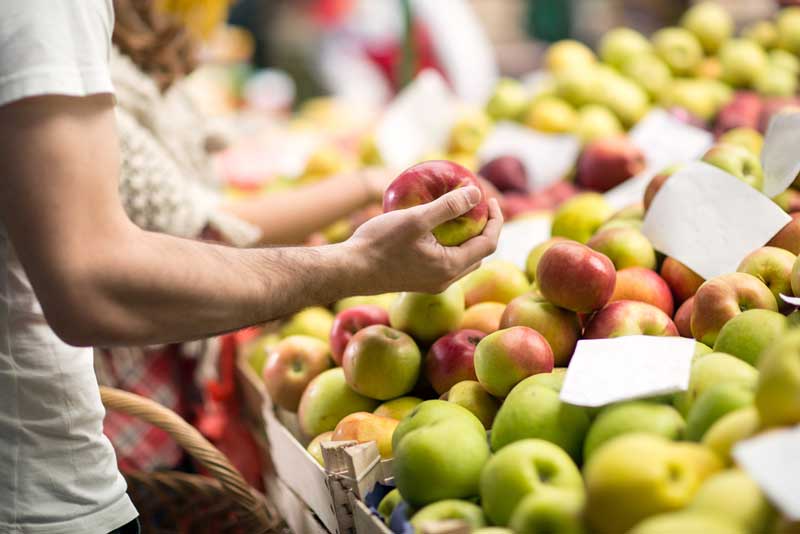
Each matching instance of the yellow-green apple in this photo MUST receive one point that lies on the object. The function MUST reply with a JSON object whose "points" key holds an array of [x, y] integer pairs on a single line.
{"points": [[630, 417], [683, 281], [426, 182], [785, 60], [506, 357], [748, 334], [464, 511], [789, 29], [534, 410], [687, 521], [702, 98], [559, 327], [327, 400], [568, 55], [620, 44], [596, 122], [721, 299], [710, 370], [315, 322], [494, 530], [508, 100], [382, 301], [789, 236], [532, 262], [469, 131], [471, 395], [713, 404], [350, 321], [656, 183], [494, 281], [397, 408], [258, 351], [631, 212], [506, 173], [427, 467], [625, 247], [627, 99], [737, 161], [649, 71], [450, 359], [701, 349], [525, 468], [364, 427], [381, 362], [732, 494], [607, 162], [643, 285], [778, 390], [578, 87], [711, 23], [629, 318], [553, 380], [579, 217], [388, 504], [291, 365], [679, 49], [745, 137], [575, 277], [484, 316], [775, 80], [549, 510], [742, 61], [763, 32], [550, 114], [730, 429], [621, 492], [315, 446], [428, 317]]}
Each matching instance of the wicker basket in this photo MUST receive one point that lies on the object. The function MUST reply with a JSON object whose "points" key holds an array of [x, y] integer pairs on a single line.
{"points": [[174, 502]]}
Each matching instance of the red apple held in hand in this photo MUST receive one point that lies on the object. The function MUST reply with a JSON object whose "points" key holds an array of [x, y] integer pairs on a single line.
{"points": [[575, 277], [789, 236], [506, 173], [683, 318], [428, 181], [350, 321], [606, 163], [506, 357], [291, 365], [722, 298], [683, 281], [643, 285], [451, 359], [629, 318]]}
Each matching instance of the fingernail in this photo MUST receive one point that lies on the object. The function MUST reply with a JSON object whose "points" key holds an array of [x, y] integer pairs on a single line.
{"points": [[473, 195]]}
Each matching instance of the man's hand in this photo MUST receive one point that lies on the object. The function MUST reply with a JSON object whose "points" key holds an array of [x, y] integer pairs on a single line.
{"points": [[401, 254]]}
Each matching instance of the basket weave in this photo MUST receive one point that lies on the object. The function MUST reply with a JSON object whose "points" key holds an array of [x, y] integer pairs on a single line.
{"points": [[172, 502]]}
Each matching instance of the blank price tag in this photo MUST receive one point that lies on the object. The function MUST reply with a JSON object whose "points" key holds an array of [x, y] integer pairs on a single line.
{"points": [[708, 220], [603, 371], [780, 157], [773, 461], [547, 157], [518, 237]]}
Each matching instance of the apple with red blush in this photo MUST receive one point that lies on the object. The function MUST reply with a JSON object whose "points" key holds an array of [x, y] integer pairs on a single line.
{"points": [[451, 359], [629, 318], [643, 285], [607, 162], [683, 281], [575, 277], [349, 321]]}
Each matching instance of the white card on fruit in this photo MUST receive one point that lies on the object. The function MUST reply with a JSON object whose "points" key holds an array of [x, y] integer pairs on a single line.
{"points": [[630, 191], [773, 461], [518, 237], [418, 121], [709, 220], [547, 157], [788, 299], [603, 371], [666, 140], [780, 157]]}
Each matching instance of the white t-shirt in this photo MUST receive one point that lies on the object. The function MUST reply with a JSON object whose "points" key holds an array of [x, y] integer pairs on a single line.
{"points": [[58, 472]]}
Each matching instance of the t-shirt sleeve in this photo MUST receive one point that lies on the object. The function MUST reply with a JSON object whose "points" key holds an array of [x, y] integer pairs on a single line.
{"points": [[59, 47]]}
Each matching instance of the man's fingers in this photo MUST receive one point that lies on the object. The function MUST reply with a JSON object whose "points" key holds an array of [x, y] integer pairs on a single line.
{"points": [[481, 246], [448, 206]]}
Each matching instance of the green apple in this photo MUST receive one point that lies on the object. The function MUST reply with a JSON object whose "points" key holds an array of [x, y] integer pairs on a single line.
{"points": [[315, 446], [388, 504], [533, 410], [327, 400], [315, 322], [625, 247], [428, 317], [649, 71], [557, 511], [525, 468], [578, 87], [774, 80], [713, 404], [464, 511], [742, 61], [785, 60], [579, 217], [710, 23], [622, 492], [620, 44], [624, 97], [397, 408], [702, 98], [737, 161], [382, 301], [472, 396], [258, 351], [427, 467], [788, 23], [508, 101], [550, 114], [679, 49], [469, 131], [493, 530], [535, 255], [381, 362], [778, 390], [763, 32], [744, 137], [732, 494], [494, 281], [749, 333], [730, 429], [568, 55], [710, 370], [684, 522], [553, 380], [596, 122], [632, 417]]}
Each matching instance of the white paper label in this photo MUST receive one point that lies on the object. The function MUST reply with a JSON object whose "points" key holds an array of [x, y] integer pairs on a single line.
{"points": [[418, 121], [547, 157], [519, 236], [603, 371], [788, 299], [773, 461], [780, 156], [708, 220], [630, 191]]}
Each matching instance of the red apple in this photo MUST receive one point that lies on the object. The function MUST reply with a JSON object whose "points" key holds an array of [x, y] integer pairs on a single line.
{"points": [[683, 318], [643, 285], [789, 236], [291, 365], [506, 357], [350, 321], [484, 316], [629, 318], [683, 281], [743, 111], [575, 277], [506, 173], [606, 163], [428, 181], [519, 204], [451, 359]]}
